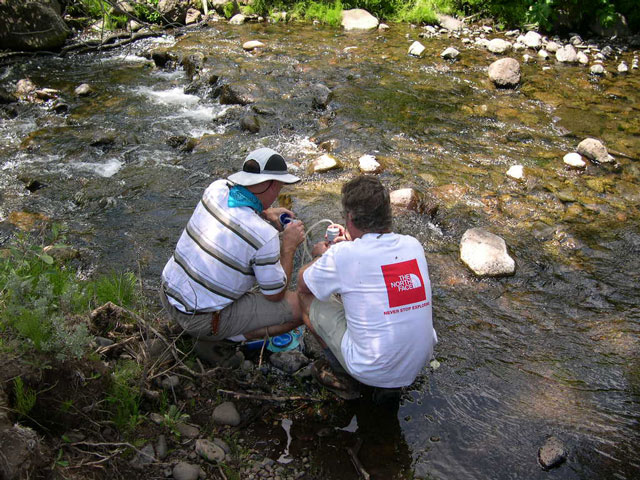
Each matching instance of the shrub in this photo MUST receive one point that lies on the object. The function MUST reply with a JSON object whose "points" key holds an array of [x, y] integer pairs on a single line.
{"points": [[330, 14]]}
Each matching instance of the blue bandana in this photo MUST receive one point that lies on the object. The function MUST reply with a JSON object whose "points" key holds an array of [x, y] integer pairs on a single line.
{"points": [[240, 196]]}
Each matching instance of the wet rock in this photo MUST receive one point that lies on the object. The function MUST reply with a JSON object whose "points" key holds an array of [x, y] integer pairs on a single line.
{"points": [[485, 253], [209, 450], [505, 73], [25, 88], [358, 19], [6, 97], [321, 96], [542, 53], [186, 471], [27, 221], [597, 69], [236, 94], [369, 164], [290, 361], [552, 47], [404, 199], [516, 172], [416, 49], [250, 123], [61, 253], [324, 163], [551, 454], [23, 454], [450, 54], [192, 16], [498, 45], [144, 457], [574, 160], [567, 54], [583, 59], [594, 150], [238, 19], [192, 64], [83, 90], [162, 57], [226, 414], [623, 67], [383, 27], [252, 45], [532, 40]]}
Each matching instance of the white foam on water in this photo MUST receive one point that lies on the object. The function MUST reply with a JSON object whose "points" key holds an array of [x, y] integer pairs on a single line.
{"points": [[129, 58], [107, 169], [173, 96]]}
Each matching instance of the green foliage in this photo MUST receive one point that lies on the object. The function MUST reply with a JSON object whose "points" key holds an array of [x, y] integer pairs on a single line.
{"points": [[420, 11], [229, 9], [330, 14], [172, 417], [147, 10], [117, 287], [124, 397], [25, 397]]}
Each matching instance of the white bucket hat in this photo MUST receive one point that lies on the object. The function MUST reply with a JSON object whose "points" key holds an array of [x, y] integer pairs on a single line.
{"points": [[262, 165]]}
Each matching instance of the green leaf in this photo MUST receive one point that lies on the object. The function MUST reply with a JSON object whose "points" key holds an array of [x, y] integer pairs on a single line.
{"points": [[48, 259]]}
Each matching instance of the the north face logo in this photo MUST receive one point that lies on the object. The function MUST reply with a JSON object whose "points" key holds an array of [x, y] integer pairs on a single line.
{"points": [[404, 283]]}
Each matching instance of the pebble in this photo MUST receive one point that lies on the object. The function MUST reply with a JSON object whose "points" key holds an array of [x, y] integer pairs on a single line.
{"points": [[551, 454], [226, 414], [186, 471], [416, 49], [597, 69], [369, 164], [209, 450], [574, 159], [516, 171]]}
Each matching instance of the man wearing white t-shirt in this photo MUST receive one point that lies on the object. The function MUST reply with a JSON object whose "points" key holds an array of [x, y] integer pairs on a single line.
{"points": [[380, 328]]}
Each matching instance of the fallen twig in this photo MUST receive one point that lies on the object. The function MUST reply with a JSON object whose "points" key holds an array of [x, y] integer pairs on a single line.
{"points": [[353, 454], [271, 398], [624, 155]]}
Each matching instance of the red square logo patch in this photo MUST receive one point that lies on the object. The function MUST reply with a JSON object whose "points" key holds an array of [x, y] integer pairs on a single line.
{"points": [[404, 283]]}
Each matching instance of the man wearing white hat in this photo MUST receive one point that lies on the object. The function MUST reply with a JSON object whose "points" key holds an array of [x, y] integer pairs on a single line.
{"points": [[228, 246]]}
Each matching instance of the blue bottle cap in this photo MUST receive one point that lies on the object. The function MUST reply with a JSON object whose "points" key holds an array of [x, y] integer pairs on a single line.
{"points": [[285, 218], [282, 340]]}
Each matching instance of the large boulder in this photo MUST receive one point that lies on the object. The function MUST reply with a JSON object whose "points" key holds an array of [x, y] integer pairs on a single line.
{"points": [[358, 19], [31, 25], [450, 23], [173, 11], [505, 73]]}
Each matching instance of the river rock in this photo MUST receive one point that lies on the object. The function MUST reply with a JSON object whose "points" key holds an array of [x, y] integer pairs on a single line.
{"points": [[505, 73], [404, 198], [186, 471], [574, 160], [252, 45], [238, 19], [450, 23], [594, 150], [498, 45], [290, 361], [416, 49], [209, 450], [597, 69], [226, 414], [450, 54], [193, 16], [250, 123], [358, 19], [325, 163], [567, 54], [551, 454], [161, 447], [369, 164], [173, 11], [321, 96], [532, 40], [516, 172], [25, 88], [83, 90], [552, 47], [485, 253], [187, 431], [542, 53], [31, 26], [583, 59], [623, 67], [236, 94]]}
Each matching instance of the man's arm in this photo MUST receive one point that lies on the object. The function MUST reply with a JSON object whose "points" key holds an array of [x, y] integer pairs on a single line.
{"points": [[292, 237], [317, 251]]}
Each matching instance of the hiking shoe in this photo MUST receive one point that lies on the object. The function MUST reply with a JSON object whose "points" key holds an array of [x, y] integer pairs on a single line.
{"points": [[343, 385]]}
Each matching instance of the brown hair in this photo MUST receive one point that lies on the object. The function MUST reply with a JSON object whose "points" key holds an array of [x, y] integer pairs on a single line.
{"points": [[366, 199]]}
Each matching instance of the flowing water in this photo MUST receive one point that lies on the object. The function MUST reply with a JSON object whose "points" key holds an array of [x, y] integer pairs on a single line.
{"points": [[552, 350]]}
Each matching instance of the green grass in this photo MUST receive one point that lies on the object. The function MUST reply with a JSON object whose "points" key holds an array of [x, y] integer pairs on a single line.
{"points": [[124, 396], [330, 14]]}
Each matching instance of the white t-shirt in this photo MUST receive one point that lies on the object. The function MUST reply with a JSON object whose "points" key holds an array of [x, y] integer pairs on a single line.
{"points": [[384, 284], [222, 253]]}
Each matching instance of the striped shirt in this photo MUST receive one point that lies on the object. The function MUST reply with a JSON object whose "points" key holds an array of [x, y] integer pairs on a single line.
{"points": [[222, 253]]}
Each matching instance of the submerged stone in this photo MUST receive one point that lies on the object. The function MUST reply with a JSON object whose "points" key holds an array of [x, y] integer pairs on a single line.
{"points": [[551, 454], [416, 49]]}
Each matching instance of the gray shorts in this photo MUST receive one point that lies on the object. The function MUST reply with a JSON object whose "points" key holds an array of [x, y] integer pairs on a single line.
{"points": [[249, 312], [329, 322]]}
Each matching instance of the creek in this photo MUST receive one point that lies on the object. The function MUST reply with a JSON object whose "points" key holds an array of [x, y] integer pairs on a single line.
{"points": [[552, 350]]}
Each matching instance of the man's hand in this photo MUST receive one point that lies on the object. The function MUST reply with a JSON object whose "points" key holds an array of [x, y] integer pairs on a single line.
{"points": [[272, 215], [319, 248], [342, 236], [293, 235]]}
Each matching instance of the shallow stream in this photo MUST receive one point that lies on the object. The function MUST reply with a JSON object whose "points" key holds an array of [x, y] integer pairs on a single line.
{"points": [[552, 350]]}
